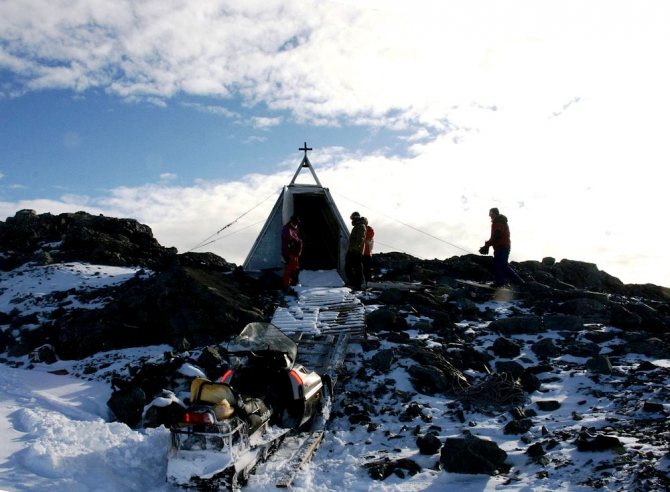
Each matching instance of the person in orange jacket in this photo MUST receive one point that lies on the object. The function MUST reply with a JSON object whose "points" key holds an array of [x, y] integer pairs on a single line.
{"points": [[367, 250], [291, 249], [502, 245]]}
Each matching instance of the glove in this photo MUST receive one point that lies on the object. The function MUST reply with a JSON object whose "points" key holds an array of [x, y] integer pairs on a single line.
{"points": [[484, 250]]}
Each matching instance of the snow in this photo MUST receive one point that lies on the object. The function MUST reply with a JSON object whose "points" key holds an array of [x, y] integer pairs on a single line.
{"points": [[191, 371], [57, 433], [28, 288]]}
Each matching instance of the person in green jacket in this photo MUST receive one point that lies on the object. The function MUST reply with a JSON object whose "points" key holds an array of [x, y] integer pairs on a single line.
{"points": [[353, 261]]}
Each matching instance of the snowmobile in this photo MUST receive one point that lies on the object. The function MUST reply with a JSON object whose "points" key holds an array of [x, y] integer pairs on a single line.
{"points": [[236, 422]]}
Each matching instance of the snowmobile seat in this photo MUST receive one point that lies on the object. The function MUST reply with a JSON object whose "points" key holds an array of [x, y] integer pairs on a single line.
{"points": [[205, 391]]}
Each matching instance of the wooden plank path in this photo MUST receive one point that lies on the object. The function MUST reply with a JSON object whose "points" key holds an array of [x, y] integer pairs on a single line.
{"points": [[321, 310]]}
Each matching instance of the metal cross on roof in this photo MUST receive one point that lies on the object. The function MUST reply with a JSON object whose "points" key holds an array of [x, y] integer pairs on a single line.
{"points": [[305, 149], [305, 163]]}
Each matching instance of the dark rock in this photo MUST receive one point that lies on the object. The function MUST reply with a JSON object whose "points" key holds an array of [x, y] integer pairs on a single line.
{"points": [[81, 237], [397, 337], [545, 348], [45, 354], [586, 276], [651, 347], [517, 325], [209, 261], [548, 405], [600, 336], [520, 426], [535, 451], [510, 367], [212, 362], [651, 320], [599, 364], [650, 406], [201, 306], [645, 366], [393, 297], [127, 405], [623, 318], [504, 347], [540, 290], [600, 442], [429, 379], [466, 357], [5, 340], [380, 320], [562, 322], [381, 470], [586, 308], [428, 444], [548, 261], [24, 320], [473, 455], [159, 413], [647, 291], [382, 361], [578, 349], [422, 326], [529, 381], [434, 373]]}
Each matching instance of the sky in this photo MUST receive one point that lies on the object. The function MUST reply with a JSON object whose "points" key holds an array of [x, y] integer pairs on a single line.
{"points": [[59, 434], [188, 116]]}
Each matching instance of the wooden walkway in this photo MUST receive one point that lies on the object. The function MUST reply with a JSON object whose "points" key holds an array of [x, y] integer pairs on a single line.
{"points": [[321, 311]]}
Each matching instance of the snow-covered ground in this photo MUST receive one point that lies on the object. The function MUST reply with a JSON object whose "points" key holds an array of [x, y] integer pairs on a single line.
{"points": [[57, 434]]}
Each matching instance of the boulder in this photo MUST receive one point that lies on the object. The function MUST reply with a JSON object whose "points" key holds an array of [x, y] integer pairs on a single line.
{"points": [[504, 347], [382, 469], [517, 325], [127, 405], [428, 444], [545, 348], [165, 410], [473, 455]]}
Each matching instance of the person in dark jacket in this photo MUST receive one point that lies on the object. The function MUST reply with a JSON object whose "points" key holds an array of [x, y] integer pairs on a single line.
{"points": [[353, 261], [291, 249], [502, 245]]}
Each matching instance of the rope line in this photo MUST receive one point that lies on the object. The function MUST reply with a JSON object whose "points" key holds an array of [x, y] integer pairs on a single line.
{"points": [[407, 225], [205, 242], [393, 248], [231, 234]]}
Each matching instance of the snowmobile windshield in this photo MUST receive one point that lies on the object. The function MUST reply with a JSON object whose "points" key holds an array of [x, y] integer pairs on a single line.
{"points": [[263, 338]]}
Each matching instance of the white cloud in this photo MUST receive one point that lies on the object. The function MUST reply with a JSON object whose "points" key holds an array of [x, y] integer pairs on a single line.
{"points": [[255, 139], [165, 177], [367, 62], [263, 122], [214, 109]]}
